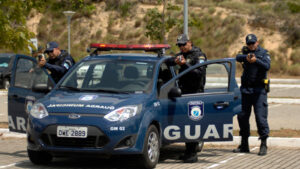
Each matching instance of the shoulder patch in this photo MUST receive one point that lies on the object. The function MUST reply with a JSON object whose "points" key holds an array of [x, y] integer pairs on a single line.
{"points": [[66, 65]]}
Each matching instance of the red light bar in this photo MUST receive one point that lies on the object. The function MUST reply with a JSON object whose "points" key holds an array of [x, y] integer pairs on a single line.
{"points": [[145, 47]]}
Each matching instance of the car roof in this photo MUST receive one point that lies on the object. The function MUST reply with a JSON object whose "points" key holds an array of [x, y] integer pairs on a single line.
{"points": [[129, 56]]}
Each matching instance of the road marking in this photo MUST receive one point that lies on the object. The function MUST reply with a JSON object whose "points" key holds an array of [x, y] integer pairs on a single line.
{"points": [[273, 106], [11, 165], [225, 161]]}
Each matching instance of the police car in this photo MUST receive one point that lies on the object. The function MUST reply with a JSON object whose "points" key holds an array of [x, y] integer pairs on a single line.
{"points": [[133, 106]]}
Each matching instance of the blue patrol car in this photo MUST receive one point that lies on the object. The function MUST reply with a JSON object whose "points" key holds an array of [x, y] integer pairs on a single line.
{"points": [[122, 103]]}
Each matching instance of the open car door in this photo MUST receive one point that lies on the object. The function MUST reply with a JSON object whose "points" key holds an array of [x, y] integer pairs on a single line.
{"points": [[28, 83], [205, 116]]}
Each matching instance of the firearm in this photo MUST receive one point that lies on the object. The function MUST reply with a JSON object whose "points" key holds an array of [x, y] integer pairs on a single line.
{"points": [[40, 56], [180, 58]]}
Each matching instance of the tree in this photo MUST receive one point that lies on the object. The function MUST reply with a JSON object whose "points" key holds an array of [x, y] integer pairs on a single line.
{"points": [[14, 35], [159, 23]]}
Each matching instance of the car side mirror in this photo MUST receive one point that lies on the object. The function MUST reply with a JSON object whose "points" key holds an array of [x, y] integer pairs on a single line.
{"points": [[174, 92], [41, 88]]}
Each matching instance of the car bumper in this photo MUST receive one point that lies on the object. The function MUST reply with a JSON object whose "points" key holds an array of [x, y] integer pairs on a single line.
{"points": [[100, 140]]}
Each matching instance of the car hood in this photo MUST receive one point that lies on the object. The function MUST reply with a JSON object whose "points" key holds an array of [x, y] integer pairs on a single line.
{"points": [[59, 102]]}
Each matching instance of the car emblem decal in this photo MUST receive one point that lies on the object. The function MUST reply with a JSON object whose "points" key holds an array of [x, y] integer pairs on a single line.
{"points": [[195, 110], [88, 97], [74, 116]]}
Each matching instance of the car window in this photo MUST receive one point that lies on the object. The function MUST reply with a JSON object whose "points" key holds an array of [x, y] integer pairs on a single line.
{"points": [[205, 79], [164, 75], [112, 75], [23, 77], [217, 78], [4, 61]]}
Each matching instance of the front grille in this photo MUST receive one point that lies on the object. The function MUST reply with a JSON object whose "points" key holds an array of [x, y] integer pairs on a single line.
{"points": [[74, 142], [95, 139]]}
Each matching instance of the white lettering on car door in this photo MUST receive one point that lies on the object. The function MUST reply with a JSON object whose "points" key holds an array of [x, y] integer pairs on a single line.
{"points": [[211, 131], [11, 123], [227, 130], [175, 130], [187, 132]]}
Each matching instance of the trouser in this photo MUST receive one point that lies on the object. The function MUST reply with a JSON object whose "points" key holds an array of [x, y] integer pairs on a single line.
{"points": [[259, 102], [191, 147]]}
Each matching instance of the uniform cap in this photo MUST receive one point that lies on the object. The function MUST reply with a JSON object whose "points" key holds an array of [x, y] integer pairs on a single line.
{"points": [[182, 39], [251, 38], [50, 46]]}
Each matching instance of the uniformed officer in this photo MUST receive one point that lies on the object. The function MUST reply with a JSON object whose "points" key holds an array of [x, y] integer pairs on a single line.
{"points": [[192, 82], [256, 62], [59, 62]]}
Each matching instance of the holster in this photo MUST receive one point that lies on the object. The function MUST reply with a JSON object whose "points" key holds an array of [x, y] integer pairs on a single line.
{"points": [[267, 84]]}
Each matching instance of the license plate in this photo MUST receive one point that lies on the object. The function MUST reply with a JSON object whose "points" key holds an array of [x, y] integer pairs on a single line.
{"points": [[72, 131]]}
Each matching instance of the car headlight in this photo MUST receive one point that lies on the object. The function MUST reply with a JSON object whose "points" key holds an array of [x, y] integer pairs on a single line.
{"points": [[122, 113], [38, 111]]}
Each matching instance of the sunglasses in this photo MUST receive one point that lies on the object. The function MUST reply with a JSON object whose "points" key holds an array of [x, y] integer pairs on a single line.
{"points": [[183, 44], [252, 43], [49, 51]]}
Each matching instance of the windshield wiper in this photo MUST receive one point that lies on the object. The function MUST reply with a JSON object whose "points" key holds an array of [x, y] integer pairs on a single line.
{"points": [[70, 88]]}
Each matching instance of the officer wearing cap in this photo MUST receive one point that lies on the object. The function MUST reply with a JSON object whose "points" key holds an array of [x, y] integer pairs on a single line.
{"points": [[58, 63], [256, 62], [192, 82]]}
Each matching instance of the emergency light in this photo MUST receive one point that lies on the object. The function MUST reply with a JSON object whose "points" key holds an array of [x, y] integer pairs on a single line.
{"points": [[158, 48]]}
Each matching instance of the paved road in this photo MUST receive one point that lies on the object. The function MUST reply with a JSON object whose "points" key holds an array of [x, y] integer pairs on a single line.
{"points": [[13, 155]]}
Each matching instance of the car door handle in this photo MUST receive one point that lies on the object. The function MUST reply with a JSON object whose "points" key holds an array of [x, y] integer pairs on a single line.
{"points": [[221, 105]]}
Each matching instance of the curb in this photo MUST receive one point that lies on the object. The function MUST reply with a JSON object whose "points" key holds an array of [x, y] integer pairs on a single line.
{"points": [[253, 141], [271, 141]]}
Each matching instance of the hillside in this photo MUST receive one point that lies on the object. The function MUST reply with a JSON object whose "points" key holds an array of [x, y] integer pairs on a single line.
{"points": [[217, 26]]}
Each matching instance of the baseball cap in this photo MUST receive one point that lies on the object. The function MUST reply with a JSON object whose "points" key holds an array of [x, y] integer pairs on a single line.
{"points": [[182, 39], [50, 46], [251, 38]]}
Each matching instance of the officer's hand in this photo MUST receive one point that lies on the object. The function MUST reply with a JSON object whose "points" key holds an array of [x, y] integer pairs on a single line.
{"points": [[251, 59], [42, 62], [180, 60]]}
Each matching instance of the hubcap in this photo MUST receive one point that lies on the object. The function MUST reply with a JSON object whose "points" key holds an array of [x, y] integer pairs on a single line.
{"points": [[153, 147]]}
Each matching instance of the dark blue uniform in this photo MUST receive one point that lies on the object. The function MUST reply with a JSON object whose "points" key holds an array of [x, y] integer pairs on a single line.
{"points": [[194, 81], [254, 92], [60, 65]]}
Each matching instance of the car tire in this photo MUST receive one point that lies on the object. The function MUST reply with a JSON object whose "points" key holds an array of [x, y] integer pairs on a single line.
{"points": [[39, 157], [6, 84], [151, 149]]}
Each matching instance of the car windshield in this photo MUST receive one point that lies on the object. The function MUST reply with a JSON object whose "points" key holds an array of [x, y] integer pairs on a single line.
{"points": [[111, 76], [4, 61]]}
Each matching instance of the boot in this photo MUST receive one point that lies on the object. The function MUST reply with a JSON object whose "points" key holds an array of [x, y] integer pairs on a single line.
{"points": [[263, 147], [244, 147], [189, 158]]}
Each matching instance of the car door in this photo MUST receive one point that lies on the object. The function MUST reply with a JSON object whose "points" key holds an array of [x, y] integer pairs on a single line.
{"points": [[28, 83], [205, 116]]}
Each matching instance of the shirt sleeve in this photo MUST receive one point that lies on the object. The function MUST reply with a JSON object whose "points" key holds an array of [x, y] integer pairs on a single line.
{"points": [[264, 61], [242, 55]]}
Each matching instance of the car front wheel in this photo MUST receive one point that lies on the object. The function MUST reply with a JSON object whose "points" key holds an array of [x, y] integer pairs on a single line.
{"points": [[151, 150], [39, 157]]}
